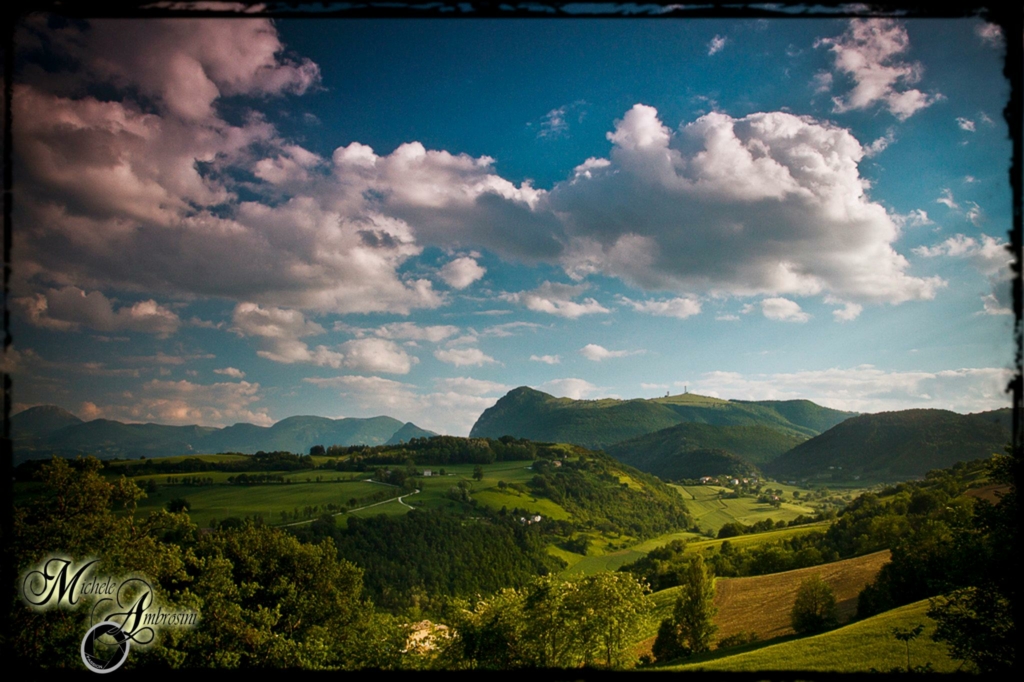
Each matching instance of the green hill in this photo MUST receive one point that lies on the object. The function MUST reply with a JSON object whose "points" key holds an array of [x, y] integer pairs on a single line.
{"points": [[860, 647], [407, 433], [528, 413], [895, 445], [693, 450]]}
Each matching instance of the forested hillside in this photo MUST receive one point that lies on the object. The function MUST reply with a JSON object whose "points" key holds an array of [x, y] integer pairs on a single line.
{"points": [[895, 445], [693, 450]]}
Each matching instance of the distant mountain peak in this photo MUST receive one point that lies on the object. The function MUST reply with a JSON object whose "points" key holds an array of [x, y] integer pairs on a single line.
{"points": [[41, 420]]}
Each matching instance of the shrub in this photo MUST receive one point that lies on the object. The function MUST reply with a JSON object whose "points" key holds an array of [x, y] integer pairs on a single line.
{"points": [[179, 504], [739, 639]]}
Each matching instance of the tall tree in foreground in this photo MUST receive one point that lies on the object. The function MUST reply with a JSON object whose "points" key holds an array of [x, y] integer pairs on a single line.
{"points": [[815, 608], [690, 628]]}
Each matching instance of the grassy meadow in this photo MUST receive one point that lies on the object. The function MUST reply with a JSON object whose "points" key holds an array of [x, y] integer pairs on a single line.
{"points": [[858, 647], [710, 511]]}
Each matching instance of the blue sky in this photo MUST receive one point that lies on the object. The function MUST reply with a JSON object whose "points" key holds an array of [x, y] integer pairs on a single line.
{"points": [[225, 221]]}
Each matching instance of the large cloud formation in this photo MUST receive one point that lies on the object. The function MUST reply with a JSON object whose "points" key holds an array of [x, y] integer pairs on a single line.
{"points": [[141, 193], [771, 203], [159, 193]]}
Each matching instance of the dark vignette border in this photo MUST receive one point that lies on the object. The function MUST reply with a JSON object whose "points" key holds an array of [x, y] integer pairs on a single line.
{"points": [[1010, 20]]}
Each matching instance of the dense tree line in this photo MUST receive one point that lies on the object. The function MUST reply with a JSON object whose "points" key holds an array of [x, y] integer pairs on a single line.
{"points": [[261, 461], [441, 450], [666, 566], [423, 558], [962, 551]]}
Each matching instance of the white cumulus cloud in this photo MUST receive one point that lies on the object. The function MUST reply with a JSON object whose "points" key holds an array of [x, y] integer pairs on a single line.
{"points": [[464, 357], [989, 256], [771, 203], [869, 53], [574, 388], [185, 402], [681, 307], [596, 353], [462, 272], [546, 359], [557, 299], [783, 309]]}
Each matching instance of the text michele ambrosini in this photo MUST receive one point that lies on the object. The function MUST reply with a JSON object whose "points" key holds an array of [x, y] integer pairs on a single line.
{"points": [[122, 610]]}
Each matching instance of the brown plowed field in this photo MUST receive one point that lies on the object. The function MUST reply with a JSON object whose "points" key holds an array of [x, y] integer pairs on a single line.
{"points": [[990, 493], [761, 604]]}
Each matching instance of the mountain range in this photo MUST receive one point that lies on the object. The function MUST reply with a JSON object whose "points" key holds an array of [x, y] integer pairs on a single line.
{"points": [[689, 435], [673, 437], [47, 430]]}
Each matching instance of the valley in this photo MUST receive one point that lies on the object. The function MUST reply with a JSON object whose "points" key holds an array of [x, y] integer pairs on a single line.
{"points": [[463, 533]]}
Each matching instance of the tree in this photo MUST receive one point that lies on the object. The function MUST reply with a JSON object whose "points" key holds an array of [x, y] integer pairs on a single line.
{"points": [[905, 635], [695, 611], [977, 625], [317, 450], [690, 628], [478, 473], [668, 646], [815, 608]]}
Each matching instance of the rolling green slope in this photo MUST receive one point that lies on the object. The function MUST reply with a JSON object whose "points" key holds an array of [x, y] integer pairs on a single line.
{"points": [[858, 647], [895, 445], [528, 413], [803, 413]]}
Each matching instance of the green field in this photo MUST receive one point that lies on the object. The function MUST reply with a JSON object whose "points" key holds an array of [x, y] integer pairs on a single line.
{"points": [[712, 512], [857, 647], [181, 458], [754, 539], [389, 508], [220, 501]]}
